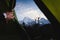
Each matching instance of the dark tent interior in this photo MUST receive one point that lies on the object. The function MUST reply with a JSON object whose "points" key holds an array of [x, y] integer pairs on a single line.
{"points": [[15, 31]]}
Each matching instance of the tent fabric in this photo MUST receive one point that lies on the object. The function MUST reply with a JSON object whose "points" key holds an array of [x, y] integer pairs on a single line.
{"points": [[7, 5], [54, 7]]}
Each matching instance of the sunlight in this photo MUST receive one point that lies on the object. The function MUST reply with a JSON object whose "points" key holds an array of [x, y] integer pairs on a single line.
{"points": [[32, 14]]}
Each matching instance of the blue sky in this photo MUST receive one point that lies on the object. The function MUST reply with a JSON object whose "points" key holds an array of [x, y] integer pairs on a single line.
{"points": [[27, 8]]}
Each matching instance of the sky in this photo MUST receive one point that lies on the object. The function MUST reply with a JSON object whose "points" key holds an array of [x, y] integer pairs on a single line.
{"points": [[28, 8]]}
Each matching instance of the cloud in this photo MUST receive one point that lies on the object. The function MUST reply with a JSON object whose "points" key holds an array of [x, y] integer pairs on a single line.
{"points": [[24, 10]]}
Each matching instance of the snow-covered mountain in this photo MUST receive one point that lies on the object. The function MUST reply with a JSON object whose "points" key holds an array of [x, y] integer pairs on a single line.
{"points": [[44, 21], [29, 21]]}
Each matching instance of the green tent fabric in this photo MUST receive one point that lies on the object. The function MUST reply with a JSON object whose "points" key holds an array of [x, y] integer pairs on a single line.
{"points": [[54, 7], [7, 5]]}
